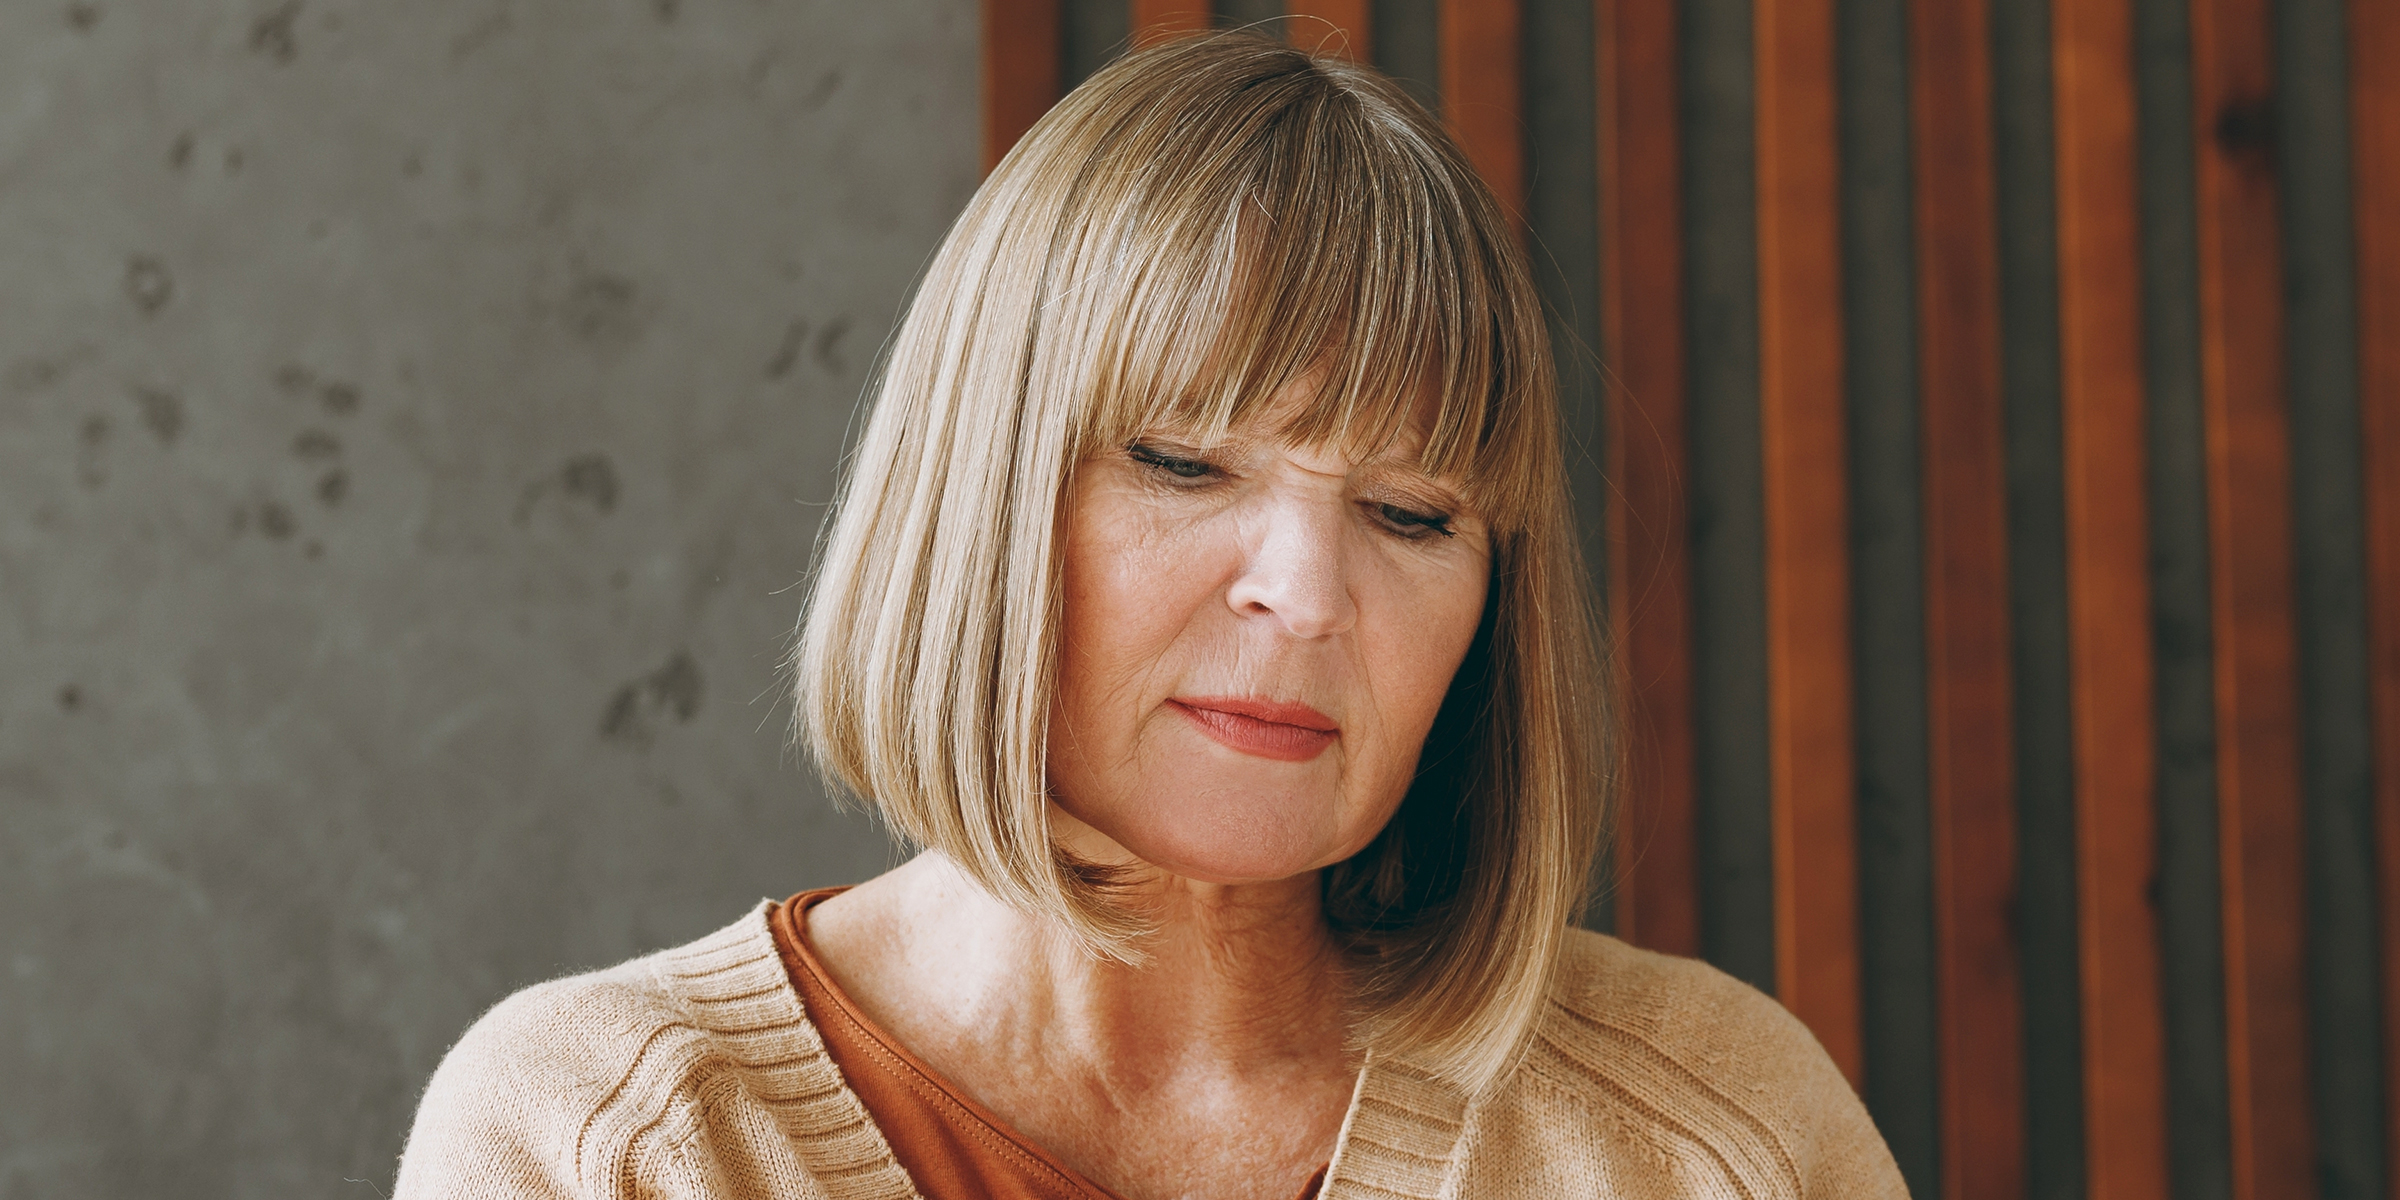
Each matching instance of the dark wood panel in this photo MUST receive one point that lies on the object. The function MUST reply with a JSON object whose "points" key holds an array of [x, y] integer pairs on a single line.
{"points": [[1155, 19], [1021, 41], [2262, 836], [1804, 475], [2312, 134], [2375, 180], [1883, 399], [1968, 700], [1650, 574], [1343, 27], [2111, 661], [1719, 111], [1092, 33], [1481, 91], [2025, 167], [1407, 43]]}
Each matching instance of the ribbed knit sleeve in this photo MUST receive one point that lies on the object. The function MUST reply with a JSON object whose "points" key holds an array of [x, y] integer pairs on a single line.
{"points": [[1654, 1077], [692, 1073], [515, 1104]]}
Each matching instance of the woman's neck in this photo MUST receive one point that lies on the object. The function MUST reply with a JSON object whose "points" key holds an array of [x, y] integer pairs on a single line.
{"points": [[1237, 981], [1217, 1067]]}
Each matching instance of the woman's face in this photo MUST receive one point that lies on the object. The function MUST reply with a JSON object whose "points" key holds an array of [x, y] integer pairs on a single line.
{"points": [[1256, 638]]}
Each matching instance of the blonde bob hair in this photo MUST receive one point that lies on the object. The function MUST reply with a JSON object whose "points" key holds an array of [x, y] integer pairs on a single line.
{"points": [[1199, 224]]}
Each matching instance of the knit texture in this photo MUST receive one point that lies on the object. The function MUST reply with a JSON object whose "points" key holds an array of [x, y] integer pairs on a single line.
{"points": [[696, 1073]]}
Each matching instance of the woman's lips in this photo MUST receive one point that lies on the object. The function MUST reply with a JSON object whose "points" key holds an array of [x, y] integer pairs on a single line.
{"points": [[1266, 728]]}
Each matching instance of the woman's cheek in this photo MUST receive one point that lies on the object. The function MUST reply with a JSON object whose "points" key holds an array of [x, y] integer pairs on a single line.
{"points": [[1423, 645], [1135, 584]]}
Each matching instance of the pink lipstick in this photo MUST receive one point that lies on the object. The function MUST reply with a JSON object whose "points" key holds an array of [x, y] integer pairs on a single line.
{"points": [[1265, 728]]}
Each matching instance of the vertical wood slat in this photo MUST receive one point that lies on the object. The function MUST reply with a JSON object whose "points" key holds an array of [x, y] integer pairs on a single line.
{"points": [[1804, 469], [1482, 92], [1969, 702], [1649, 577], [2375, 179], [2111, 663], [2261, 828], [1343, 27], [1020, 70], [1157, 19]]}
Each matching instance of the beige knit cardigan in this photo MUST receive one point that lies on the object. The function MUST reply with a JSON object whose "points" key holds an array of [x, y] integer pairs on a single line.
{"points": [[696, 1073]]}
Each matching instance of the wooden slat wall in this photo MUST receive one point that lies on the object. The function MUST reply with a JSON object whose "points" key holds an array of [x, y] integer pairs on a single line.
{"points": [[1481, 95], [1969, 704], [1343, 27], [2375, 182], [2257, 673], [1155, 19], [2102, 400], [1805, 472], [1020, 70], [1650, 578]]}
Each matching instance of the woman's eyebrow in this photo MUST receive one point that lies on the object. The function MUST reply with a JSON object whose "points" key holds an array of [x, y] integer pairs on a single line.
{"points": [[1192, 442], [1408, 474]]}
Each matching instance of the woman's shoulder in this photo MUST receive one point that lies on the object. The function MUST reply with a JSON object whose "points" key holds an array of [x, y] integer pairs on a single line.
{"points": [[1662, 1062], [568, 1087], [1614, 992]]}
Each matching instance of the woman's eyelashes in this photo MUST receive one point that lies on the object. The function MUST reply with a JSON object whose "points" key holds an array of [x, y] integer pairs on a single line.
{"points": [[1412, 524], [1186, 470]]}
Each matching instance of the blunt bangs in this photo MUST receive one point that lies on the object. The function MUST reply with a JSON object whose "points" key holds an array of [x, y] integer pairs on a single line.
{"points": [[1190, 231], [1233, 241]]}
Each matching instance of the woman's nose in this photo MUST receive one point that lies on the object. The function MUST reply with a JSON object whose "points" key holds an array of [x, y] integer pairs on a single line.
{"points": [[1296, 574]]}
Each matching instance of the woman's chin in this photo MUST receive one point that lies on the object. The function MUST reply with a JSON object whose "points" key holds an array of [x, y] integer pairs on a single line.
{"points": [[1234, 868], [1231, 847]]}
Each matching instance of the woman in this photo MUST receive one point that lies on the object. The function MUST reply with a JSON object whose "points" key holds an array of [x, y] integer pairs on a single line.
{"points": [[1203, 601]]}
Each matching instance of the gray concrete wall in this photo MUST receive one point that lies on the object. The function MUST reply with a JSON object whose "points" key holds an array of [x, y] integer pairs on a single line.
{"points": [[413, 419]]}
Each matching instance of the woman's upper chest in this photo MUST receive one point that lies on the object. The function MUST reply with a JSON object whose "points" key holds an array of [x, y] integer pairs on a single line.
{"points": [[1192, 1139], [1022, 1104]]}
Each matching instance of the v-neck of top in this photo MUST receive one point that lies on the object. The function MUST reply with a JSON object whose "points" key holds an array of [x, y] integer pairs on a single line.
{"points": [[950, 1146]]}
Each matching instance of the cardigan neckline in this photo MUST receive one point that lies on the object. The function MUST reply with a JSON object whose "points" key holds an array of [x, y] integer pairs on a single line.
{"points": [[1400, 1136]]}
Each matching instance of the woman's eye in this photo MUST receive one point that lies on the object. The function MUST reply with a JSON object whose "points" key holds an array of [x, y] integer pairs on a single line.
{"points": [[1415, 524], [1181, 468]]}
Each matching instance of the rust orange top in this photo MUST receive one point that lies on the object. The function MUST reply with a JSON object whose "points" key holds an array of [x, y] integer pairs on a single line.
{"points": [[952, 1147]]}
